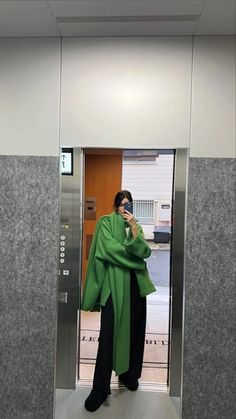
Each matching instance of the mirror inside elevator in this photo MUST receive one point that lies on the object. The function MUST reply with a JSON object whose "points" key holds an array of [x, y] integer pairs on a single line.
{"points": [[149, 175]]}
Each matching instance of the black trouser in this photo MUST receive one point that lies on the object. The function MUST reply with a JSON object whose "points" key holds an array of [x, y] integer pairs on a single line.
{"points": [[103, 368]]}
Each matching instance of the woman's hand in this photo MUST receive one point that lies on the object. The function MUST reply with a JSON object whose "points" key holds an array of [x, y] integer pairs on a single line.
{"points": [[129, 217]]}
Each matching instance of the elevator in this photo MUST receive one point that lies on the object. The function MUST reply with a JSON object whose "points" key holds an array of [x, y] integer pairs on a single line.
{"points": [[78, 217]]}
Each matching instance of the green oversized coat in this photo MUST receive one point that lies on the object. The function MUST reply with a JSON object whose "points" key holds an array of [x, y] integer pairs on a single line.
{"points": [[112, 255]]}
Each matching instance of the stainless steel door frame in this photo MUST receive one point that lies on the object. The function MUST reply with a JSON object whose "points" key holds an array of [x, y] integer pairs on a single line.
{"points": [[69, 274], [69, 284], [177, 273]]}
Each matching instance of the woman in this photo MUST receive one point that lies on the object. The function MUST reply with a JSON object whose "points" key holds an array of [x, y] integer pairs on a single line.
{"points": [[117, 280]]}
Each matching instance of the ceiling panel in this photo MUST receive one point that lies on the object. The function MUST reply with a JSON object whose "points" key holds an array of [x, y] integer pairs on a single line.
{"points": [[218, 18], [63, 17], [26, 18], [124, 7], [184, 14]]}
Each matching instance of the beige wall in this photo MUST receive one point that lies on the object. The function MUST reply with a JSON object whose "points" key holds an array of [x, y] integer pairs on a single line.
{"points": [[150, 92], [213, 99], [29, 96], [118, 92], [126, 92]]}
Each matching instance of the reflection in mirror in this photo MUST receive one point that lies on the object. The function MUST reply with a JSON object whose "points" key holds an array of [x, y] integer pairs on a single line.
{"points": [[160, 383]]}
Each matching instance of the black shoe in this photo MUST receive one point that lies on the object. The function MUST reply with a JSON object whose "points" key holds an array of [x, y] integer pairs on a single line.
{"points": [[132, 385], [94, 400]]}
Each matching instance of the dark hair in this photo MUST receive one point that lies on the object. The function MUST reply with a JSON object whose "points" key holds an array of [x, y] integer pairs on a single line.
{"points": [[120, 196]]}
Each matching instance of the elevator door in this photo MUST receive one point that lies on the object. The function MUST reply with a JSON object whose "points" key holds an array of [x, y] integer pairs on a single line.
{"points": [[69, 268], [102, 180]]}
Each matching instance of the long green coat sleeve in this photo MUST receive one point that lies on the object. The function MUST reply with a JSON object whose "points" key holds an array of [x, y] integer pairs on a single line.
{"points": [[137, 246], [121, 252], [124, 255]]}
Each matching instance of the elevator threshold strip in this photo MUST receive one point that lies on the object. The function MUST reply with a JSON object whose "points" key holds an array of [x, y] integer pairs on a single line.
{"points": [[147, 386]]}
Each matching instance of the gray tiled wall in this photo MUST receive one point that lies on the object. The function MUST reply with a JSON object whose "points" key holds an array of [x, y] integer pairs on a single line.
{"points": [[29, 220], [210, 323]]}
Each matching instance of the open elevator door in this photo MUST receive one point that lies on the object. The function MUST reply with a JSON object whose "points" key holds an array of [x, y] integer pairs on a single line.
{"points": [[70, 250], [70, 261]]}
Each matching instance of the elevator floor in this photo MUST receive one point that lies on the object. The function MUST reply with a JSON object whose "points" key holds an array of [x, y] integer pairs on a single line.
{"points": [[120, 404]]}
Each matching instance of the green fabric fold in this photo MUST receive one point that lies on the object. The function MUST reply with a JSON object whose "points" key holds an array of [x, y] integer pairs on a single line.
{"points": [[112, 255]]}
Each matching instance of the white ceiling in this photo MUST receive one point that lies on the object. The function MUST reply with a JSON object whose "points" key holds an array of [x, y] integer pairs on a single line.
{"points": [[66, 18]]}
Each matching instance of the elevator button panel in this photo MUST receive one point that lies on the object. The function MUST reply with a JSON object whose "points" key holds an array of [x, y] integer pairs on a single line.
{"points": [[65, 240]]}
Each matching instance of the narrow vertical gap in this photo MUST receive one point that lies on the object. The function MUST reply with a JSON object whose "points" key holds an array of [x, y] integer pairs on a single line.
{"points": [[170, 278], [191, 93]]}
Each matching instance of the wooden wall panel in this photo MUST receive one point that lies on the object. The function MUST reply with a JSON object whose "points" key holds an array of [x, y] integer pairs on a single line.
{"points": [[103, 177]]}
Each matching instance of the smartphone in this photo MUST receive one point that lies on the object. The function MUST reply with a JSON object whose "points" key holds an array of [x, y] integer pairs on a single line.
{"points": [[128, 206]]}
